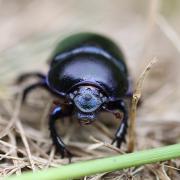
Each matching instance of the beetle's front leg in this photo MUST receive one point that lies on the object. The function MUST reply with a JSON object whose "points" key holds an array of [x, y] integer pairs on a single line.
{"points": [[122, 129], [59, 112]]}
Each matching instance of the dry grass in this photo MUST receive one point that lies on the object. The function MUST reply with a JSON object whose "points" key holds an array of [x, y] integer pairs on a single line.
{"points": [[25, 143]]}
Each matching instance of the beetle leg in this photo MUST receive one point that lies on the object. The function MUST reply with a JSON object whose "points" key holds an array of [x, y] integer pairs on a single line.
{"points": [[122, 129], [39, 84], [28, 89], [60, 146], [23, 77]]}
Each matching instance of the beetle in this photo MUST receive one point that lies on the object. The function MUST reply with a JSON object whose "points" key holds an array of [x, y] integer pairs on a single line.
{"points": [[88, 71]]}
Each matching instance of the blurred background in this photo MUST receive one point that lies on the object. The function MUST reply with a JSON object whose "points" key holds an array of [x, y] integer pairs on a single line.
{"points": [[143, 29], [29, 31]]}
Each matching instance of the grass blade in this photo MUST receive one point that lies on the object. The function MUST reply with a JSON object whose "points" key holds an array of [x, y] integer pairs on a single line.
{"points": [[81, 169]]}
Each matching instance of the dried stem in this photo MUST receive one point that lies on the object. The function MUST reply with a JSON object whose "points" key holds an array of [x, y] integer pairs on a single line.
{"points": [[135, 99]]}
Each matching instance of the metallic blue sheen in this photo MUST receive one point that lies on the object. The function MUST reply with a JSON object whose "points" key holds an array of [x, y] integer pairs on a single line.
{"points": [[87, 105], [57, 109]]}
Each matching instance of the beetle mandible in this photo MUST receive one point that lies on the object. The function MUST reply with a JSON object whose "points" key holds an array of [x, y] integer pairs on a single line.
{"points": [[89, 73]]}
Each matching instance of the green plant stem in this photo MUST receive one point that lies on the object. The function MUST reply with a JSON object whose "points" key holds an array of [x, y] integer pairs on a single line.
{"points": [[81, 169]]}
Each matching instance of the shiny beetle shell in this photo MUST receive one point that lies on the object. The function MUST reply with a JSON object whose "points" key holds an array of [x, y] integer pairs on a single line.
{"points": [[91, 59]]}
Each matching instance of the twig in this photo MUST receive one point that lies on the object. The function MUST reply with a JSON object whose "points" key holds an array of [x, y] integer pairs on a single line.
{"points": [[12, 146], [6, 155], [14, 153], [170, 33], [177, 169], [22, 133], [151, 19], [158, 171], [38, 149], [135, 99], [103, 128], [52, 153], [170, 171], [44, 116], [107, 145], [14, 117], [11, 157]]}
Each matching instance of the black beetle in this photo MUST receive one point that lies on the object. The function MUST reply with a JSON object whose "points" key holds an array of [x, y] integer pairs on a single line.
{"points": [[89, 73]]}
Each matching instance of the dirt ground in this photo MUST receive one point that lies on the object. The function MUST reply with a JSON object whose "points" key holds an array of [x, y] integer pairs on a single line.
{"points": [[143, 29]]}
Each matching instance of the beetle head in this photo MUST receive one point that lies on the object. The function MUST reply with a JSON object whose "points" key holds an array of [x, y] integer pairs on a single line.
{"points": [[87, 100]]}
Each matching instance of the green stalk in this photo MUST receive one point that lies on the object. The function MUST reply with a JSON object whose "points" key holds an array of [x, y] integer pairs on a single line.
{"points": [[81, 169]]}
